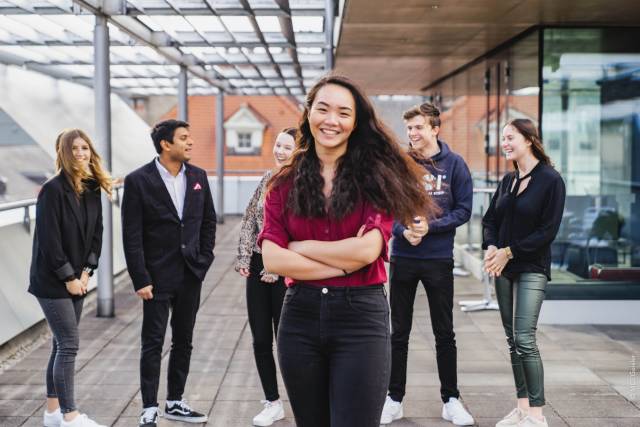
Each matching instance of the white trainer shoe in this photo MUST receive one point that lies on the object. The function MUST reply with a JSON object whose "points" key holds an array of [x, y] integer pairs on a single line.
{"points": [[512, 419], [455, 412], [272, 412], [52, 419], [391, 411], [82, 420], [532, 422]]}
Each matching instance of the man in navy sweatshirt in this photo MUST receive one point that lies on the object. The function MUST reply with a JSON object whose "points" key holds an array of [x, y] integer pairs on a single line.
{"points": [[423, 252]]}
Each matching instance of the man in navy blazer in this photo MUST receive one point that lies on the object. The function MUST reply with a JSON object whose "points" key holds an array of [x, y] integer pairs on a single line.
{"points": [[169, 227]]}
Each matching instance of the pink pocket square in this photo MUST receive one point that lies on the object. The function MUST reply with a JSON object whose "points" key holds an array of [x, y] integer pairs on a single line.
{"points": [[197, 186]]}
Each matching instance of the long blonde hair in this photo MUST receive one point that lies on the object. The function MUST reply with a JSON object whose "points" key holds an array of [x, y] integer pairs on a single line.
{"points": [[66, 162]]}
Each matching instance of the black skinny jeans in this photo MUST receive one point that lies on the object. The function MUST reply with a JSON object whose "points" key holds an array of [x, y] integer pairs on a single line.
{"points": [[334, 352], [183, 305], [264, 304], [437, 278], [63, 316]]}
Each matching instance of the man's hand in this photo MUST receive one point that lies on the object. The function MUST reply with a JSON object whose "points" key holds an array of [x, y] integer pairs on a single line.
{"points": [[411, 237], [420, 226], [145, 293], [75, 287]]}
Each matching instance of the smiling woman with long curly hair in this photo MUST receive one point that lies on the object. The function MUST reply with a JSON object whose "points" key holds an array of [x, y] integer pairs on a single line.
{"points": [[328, 217]]}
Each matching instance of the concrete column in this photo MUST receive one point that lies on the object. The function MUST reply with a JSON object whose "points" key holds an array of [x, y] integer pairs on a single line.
{"points": [[220, 155], [102, 94], [183, 94], [328, 32]]}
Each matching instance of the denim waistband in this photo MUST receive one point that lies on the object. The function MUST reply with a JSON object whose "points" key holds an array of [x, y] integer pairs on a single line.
{"points": [[346, 290]]}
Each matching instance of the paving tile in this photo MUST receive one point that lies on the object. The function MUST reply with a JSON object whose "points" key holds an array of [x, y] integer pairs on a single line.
{"points": [[14, 421], [13, 408], [596, 408], [602, 422]]}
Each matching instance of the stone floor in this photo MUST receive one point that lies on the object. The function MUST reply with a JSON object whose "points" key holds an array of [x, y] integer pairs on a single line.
{"points": [[590, 371]]}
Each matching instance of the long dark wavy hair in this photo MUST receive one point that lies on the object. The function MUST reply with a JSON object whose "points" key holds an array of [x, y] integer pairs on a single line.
{"points": [[374, 168], [529, 131]]}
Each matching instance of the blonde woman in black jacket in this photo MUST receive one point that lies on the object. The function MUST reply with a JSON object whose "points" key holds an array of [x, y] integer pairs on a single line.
{"points": [[66, 248]]}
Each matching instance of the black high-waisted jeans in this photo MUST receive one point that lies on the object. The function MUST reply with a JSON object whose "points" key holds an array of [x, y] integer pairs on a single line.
{"points": [[335, 352], [264, 305]]}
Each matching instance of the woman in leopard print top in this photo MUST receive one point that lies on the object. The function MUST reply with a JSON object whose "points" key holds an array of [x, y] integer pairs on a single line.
{"points": [[265, 291]]}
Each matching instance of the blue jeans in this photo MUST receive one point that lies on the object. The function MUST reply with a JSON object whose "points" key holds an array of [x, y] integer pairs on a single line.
{"points": [[63, 316], [335, 354], [520, 300]]}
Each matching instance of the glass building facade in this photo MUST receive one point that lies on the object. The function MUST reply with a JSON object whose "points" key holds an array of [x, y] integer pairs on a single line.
{"points": [[582, 87]]}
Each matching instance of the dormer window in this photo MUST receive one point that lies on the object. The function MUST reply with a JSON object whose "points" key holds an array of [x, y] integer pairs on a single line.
{"points": [[244, 140], [244, 132]]}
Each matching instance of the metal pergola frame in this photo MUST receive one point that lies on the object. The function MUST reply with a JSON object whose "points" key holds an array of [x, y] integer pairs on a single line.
{"points": [[133, 57], [251, 61]]}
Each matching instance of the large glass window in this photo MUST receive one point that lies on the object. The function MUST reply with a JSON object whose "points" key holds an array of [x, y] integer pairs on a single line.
{"points": [[477, 102], [591, 129]]}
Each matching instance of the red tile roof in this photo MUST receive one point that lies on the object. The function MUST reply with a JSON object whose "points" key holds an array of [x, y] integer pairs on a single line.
{"points": [[277, 112]]}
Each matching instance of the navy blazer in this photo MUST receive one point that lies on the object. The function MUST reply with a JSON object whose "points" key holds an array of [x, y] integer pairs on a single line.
{"points": [[62, 245], [158, 246]]}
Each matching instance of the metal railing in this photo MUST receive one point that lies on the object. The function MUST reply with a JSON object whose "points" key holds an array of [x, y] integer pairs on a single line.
{"points": [[487, 302], [24, 204]]}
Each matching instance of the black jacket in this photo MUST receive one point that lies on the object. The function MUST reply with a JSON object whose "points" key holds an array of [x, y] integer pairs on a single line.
{"points": [[157, 244], [528, 222], [64, 243]]}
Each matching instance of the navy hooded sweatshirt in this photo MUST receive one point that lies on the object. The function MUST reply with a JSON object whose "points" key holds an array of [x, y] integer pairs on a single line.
{"points": [[448, 181]]}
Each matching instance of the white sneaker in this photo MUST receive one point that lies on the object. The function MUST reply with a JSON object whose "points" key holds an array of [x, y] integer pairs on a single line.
{"points": [[149, 417], [391, 411], [512, 419], [532, 422], [456, 413], [272, 412], [81, 421], [52, 419]]}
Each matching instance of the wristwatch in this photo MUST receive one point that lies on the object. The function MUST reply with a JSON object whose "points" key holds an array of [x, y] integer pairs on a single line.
{"points": [[507, 249], [88, 270]]}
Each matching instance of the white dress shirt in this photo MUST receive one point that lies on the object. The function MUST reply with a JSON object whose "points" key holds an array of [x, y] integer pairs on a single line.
{"points": [[176, 185]]}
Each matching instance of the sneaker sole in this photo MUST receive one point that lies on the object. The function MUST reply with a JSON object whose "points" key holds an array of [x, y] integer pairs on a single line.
{"points": [[396, 417], [190, 420], [446, 417], [277, 418]]}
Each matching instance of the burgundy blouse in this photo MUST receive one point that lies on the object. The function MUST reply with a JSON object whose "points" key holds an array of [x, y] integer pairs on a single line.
{"points": [[282, 226]]}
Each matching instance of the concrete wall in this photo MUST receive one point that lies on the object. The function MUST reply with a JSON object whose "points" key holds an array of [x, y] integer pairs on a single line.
{"points": [[42, 106]]}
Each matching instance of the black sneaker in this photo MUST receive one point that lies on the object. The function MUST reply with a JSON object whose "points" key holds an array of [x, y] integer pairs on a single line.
{"points": [[149, 417], [180, 411]]}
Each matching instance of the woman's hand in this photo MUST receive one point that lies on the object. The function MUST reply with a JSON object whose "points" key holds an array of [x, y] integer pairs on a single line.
{"points": [[268, 277], [75, 287], [495, 261], [489, 253], [244, 272], [84, 278]]}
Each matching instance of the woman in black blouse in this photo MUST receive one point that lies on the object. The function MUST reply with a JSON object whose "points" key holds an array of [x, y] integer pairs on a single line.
{"points": [[519, 226], [66, 248]]}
